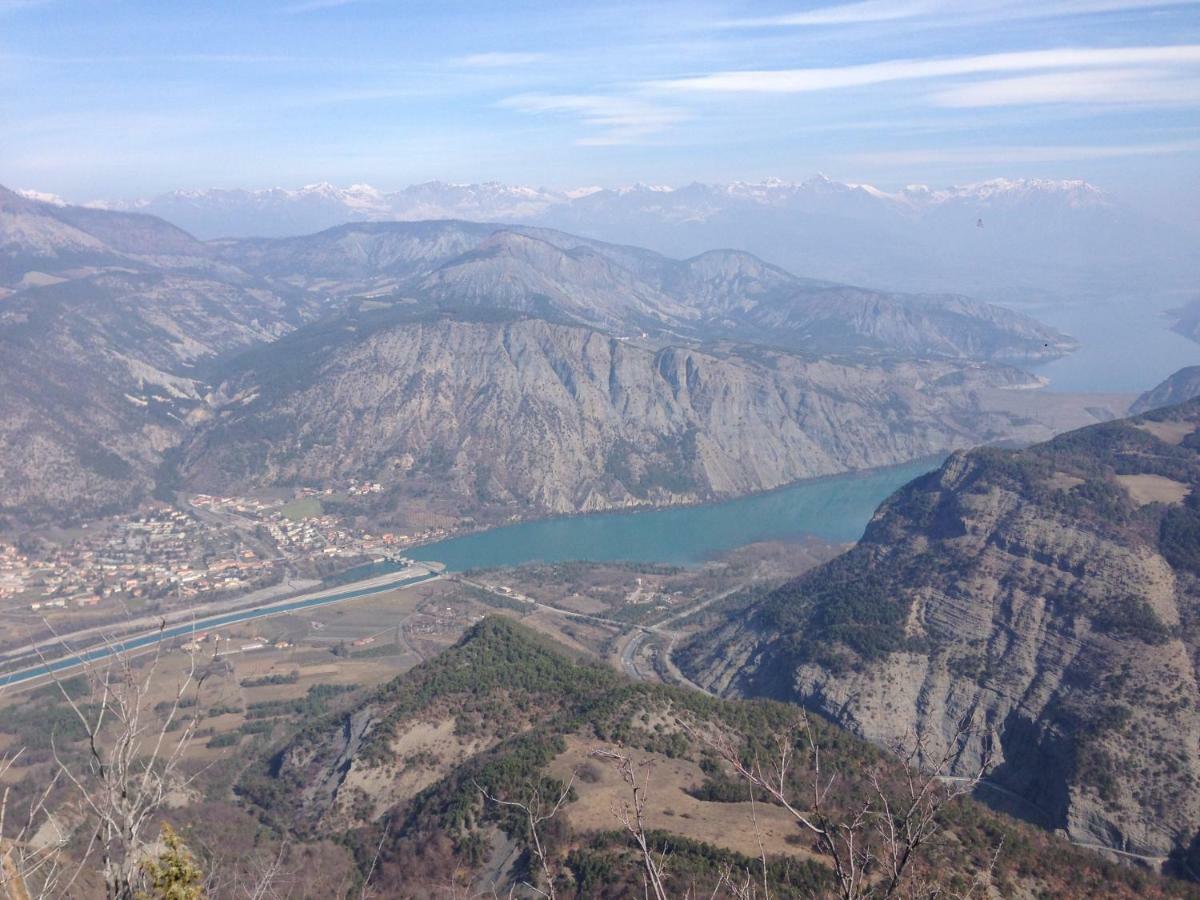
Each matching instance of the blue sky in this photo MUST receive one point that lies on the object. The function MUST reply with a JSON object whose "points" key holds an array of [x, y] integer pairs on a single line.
{"points": [[104, 99]]}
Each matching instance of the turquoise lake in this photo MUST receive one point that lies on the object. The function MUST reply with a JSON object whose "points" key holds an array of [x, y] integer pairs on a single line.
{"points": [[835, 509]]}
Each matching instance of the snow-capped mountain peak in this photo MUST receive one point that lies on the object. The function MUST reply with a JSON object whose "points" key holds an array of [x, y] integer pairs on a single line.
{"points": [[313, 207], [41, 196]]}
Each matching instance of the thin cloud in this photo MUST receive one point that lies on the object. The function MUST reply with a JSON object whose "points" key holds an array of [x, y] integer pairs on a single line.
{"points": [[793, 81], [317, 5], [1112, 86], [947, 11], [619, 120], [1020, 154], [498, 60], [842, 14]]}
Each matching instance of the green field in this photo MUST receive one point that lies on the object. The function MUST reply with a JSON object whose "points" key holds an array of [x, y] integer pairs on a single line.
{"points": [[303, 508]]}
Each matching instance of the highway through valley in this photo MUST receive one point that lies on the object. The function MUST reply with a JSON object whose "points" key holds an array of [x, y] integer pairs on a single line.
{"points": [[408, 577]]}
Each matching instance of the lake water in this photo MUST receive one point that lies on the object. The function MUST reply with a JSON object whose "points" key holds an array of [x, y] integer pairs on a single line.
{"points": [[1126, 346], [836, 509]]}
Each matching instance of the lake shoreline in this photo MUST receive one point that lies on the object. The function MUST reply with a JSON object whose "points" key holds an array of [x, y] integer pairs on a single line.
{"points": [[863, 487]]}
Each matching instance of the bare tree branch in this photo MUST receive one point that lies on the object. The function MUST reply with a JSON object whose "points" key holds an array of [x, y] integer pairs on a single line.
{"points": [[536, 814]]}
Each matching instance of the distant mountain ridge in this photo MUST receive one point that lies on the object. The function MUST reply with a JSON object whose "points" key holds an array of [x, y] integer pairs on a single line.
{"points": [[721, 294], [1005, 240], [495, 201], [1180, 387]]}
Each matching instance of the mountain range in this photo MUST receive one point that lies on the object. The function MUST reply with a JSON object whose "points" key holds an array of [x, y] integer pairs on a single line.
{"points": [[1050, 595], [1014, 241], [126, 341]]}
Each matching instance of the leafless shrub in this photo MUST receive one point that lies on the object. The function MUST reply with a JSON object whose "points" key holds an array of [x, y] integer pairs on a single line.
{"points": [[631, 814], [873, 845], [132, 763], [26, 870], [131, 766]]}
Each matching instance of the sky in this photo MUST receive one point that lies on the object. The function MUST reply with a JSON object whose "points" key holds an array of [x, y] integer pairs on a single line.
{"points": [[115, 98]]}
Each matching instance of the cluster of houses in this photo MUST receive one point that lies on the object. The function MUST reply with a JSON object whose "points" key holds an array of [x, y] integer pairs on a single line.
{"points": [[164, 553], [161, 552]]}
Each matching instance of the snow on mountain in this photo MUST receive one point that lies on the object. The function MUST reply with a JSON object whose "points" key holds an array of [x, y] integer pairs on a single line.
{"points": [[241, 210], [42, 197], [490, 201]]}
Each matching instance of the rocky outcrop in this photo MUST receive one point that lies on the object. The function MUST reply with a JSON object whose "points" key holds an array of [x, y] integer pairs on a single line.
{"points": [[1048, 595]]}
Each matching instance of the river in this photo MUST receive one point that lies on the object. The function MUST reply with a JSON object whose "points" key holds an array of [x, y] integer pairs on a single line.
{"points": [[835, 509]]}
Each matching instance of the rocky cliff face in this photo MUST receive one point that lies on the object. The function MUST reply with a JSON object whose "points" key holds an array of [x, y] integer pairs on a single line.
{"points": [[556, 418], [1178, 388], [1050, 595]]}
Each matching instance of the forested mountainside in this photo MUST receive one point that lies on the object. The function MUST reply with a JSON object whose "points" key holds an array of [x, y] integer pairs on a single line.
{"points": [[122, 339], [1051, 594], [404, 776]]}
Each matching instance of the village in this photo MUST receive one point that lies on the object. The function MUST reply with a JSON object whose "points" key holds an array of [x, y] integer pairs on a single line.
{"points": [[212, 547]]}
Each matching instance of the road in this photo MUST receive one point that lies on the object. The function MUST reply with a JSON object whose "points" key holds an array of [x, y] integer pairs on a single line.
{"points": [[145, 623], [629, 654], [639, 635], [669, 637], [407, 577]]}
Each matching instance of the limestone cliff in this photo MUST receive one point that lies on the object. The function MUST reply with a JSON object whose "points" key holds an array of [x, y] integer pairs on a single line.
{"points": [[531, 415], [1049, 594]]}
